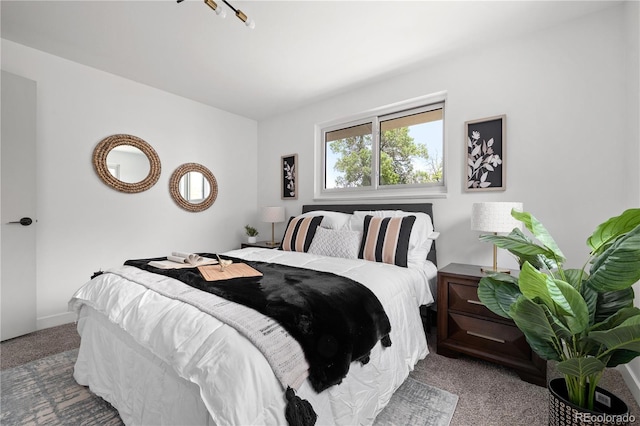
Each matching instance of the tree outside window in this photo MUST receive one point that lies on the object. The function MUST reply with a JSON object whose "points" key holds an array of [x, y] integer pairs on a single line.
{"points": [[408, 151]]}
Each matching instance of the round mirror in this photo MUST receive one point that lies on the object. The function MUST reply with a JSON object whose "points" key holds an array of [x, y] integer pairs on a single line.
{"points": [[193, 187], [126, 163]]}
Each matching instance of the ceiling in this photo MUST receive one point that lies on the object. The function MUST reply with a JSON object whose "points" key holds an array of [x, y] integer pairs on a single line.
{"points": [[299, 52]]}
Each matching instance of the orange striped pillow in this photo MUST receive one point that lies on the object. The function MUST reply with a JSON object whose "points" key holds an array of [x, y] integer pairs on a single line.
{"points": [[299, 233], [386, 239]]}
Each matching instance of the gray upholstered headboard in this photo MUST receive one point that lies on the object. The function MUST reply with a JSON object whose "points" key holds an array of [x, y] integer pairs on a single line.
{"points": [[350, 208]]}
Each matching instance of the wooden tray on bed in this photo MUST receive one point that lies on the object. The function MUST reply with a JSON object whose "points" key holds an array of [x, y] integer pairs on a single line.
{"points": [[235, 270]]}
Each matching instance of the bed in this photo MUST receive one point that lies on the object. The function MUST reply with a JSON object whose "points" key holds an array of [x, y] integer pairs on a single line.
{"points": [[159, 360]]}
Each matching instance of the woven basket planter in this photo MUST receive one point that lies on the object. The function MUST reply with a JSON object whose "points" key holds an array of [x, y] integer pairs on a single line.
{"points": [[564, 413]]}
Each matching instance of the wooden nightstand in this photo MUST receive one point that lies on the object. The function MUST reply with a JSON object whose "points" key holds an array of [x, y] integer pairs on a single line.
{"points": [[466, 326], [260, 244]]}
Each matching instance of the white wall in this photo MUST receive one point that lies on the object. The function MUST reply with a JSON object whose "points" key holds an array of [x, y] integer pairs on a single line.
{"points": [[564, 93], [83, 225], [631, 371], [571, 98]]}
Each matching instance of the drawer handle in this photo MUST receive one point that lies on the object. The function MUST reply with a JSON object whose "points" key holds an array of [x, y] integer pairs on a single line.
{"points": [[483, 336], [475, 302]]}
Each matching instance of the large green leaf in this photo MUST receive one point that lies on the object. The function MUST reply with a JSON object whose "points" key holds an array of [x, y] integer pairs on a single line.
{"points": [[575, 277], [532, 320], [591, 347], [616, 319], [533, 283], [498, 292], [526, 251], [625, 336], [621, 357], [618, 267], [564, 301], [581, 367], [516, 245], [540, 232], [610, 302], [576, 312], [561, 331], [608, 231]]}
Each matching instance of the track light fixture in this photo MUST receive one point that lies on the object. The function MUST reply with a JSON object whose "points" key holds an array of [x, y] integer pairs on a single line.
{"points": [[222, 13]]}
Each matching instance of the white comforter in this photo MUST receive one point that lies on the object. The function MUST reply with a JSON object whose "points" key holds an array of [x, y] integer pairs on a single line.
{"points": [[234, 379]]}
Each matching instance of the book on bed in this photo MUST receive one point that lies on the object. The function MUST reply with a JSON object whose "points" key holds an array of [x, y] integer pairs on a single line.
{"points": [[179, 259]]}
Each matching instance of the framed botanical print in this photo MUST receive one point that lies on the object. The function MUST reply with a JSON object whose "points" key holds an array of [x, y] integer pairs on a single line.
{"points": [[485, 154], [289, 173]]}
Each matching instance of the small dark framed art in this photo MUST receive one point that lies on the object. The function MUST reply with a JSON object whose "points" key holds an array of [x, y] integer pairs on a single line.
{"points": [[485, 154], [289, 173]]}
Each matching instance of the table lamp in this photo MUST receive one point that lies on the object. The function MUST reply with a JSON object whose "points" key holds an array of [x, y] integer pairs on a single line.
{"points": [[273, 215], [495, 217]]}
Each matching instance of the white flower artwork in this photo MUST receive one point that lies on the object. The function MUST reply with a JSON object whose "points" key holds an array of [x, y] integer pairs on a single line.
{"points": [[485, 154], [289, 171], [481, 161], [289, 177]]}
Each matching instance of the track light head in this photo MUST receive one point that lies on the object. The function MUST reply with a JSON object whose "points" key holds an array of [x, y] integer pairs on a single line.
{"points": [[222, 13], [248, 22]]}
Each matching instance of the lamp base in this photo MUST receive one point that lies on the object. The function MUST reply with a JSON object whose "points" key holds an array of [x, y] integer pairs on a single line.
{"points": [[491, 270], [272, 243]]}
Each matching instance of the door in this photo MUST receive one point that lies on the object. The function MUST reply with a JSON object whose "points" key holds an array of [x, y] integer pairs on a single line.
{"points": [[18, 201]]}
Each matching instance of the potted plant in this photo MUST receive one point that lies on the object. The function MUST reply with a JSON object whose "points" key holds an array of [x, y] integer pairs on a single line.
{"points": [[252, 233], [582, 318]]}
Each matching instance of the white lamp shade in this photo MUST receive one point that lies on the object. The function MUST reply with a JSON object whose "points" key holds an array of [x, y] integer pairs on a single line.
{"points": [[272, 214], [494, 217]]}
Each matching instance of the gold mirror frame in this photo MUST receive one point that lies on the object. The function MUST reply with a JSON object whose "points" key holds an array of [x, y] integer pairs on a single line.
{"points": [[105, 146], [174, 187]]}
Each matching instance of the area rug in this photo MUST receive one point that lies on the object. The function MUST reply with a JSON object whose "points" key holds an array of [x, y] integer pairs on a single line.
{"points": [[44, 392], [418, 404]]}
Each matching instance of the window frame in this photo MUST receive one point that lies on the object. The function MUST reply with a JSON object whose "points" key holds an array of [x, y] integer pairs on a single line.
{"points": [[377, 191]]}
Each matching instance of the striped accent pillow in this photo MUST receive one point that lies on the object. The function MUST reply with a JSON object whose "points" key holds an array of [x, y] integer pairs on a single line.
{"points": [[299, 233], [386, 239]]}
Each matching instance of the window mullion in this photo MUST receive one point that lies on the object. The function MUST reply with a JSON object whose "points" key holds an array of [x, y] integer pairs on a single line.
{"points": [[375, 154]]}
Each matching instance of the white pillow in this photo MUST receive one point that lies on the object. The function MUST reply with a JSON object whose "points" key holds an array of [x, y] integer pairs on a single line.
{"points": [[331, 220], [422, 234], [336, 243]]}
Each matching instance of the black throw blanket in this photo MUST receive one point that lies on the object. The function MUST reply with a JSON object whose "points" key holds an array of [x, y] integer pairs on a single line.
{"points": [[336, 320]]}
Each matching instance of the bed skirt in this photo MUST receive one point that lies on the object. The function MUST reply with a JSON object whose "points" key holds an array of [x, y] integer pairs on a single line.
{"points": [[108, 361]]}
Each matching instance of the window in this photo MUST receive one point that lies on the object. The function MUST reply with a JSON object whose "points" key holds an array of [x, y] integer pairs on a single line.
{"points": [[114, 169], [194, 187], [397, 152], [348, 157]]}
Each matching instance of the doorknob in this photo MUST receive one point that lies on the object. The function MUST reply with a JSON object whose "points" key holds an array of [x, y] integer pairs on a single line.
{"points": [[25, 221]]}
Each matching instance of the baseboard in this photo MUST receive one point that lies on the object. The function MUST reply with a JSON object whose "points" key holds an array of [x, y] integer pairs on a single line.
{"points": [[54, 320], [631, 379]]}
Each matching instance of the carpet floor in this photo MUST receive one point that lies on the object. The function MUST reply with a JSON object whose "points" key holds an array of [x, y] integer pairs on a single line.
{"points": [[493, 395], [488, 394], [42, 391]]}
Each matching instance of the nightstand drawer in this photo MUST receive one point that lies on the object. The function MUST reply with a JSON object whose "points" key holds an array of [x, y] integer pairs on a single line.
{"points": [[464, 298], [493, 337], [468, 327]]}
